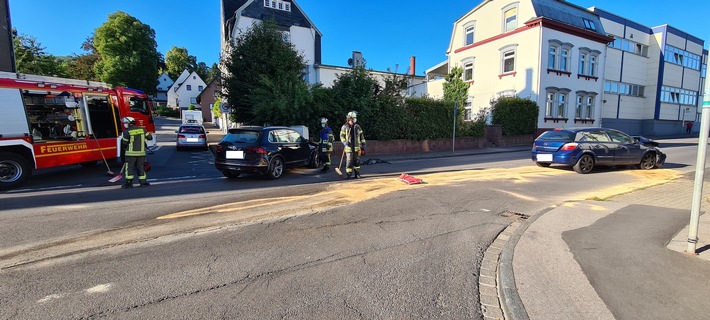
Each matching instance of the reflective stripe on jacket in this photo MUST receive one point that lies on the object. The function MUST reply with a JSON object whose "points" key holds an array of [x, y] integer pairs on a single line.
{"points": [[133, 141], [354, 136]]}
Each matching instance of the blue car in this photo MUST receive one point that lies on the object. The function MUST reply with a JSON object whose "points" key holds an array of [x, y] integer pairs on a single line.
{"points": [[585, 148]]}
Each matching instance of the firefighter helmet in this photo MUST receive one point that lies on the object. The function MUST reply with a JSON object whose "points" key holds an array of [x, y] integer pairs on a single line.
{"points": [[129, 120], [352, 115], [323, 120]]}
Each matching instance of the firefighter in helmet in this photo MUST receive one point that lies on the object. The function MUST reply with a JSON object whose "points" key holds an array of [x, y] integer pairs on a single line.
{"points": [[353, 139], [326, 144], [133, 142]]}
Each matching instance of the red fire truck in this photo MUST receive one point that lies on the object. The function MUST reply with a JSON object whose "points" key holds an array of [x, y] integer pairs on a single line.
{"points": [[47, 122]]}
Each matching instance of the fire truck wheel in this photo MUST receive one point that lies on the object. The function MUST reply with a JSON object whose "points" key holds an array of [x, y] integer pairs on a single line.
{"points": [[14, 170]]}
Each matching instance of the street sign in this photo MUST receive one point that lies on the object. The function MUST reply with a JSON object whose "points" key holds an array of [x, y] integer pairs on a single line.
{"points": [[225, 107]]}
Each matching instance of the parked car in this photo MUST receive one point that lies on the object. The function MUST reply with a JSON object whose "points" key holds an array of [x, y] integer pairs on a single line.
{"points": [[585, 148], [264, 150], [191, 135]]}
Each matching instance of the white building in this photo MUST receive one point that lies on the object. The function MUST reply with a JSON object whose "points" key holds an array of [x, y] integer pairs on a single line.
{"points": [[239, 15], [654, 77], [164, 84], [185, 90], [549, 51]]}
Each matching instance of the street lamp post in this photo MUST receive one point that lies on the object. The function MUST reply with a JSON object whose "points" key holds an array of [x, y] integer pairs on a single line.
{"points": [[699, 172]]}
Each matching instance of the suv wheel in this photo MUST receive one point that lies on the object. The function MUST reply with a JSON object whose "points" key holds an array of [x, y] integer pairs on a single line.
{"points": [[276, 168]]}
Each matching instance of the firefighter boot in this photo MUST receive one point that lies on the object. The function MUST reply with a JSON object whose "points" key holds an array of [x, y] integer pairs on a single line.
{"points": [[325, 169], [144, 183], [357, 174], [347, 176], [128, 184]]}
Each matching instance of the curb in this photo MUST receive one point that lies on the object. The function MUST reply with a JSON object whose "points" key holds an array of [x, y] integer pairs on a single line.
{"points": [[498, 258]]}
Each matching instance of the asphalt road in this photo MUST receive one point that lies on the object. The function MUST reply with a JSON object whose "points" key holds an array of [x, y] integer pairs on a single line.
{"points": [[307, 246]]}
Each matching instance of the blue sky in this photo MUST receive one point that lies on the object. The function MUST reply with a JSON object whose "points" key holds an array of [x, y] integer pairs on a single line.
{"points": [[386, 32]]}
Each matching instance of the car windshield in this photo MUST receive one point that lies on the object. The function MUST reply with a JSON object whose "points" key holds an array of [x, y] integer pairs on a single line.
{"points": [[241, 136], [191, 129], [557, 135]]}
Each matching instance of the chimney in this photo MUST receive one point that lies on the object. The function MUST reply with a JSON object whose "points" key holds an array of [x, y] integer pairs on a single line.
{"points": [[412, 65]]}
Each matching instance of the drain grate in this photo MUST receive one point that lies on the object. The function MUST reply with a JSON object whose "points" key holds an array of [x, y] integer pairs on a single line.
{"points": [[514, 215]]}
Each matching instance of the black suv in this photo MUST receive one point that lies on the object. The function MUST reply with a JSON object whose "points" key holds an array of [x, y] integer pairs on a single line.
{"points": [[264, 150]]}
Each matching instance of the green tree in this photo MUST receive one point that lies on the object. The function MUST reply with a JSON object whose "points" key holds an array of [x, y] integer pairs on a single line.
{"points": [[260, 57], [455, 89], [202, 70], [128, 50], [355, 90], [177, 59], [82, 66], [214, 73], [216, 108], [31, 58]]}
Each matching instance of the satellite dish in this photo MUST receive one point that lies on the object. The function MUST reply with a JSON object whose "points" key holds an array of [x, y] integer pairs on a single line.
{"points": [[350, 62]]}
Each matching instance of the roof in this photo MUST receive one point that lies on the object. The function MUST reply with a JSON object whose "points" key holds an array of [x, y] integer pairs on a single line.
{"points": [[256, 10], [568, 13]]}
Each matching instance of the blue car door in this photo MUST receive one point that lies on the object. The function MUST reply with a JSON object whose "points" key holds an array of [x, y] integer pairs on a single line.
{"points": [[628, 150], [598, 142]]}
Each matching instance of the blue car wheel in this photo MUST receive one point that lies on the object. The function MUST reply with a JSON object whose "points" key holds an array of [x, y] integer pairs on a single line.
{"points": [[584, 165]]}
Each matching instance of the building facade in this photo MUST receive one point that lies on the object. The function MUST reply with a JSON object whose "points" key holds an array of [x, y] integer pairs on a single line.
{"points": [[583, 67], [654, 77], [185, 90], [548, 51], [161, 92]]}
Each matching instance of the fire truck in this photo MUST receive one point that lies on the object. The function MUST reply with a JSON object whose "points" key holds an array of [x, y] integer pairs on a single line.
{"points": [[48, 121]]}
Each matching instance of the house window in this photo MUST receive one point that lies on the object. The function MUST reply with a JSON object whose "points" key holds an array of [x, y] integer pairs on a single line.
{"points": [[564, 60], [510, 19], [552, 58], [277, 4], [468, 109], [590, 107], [193, 100], [469, 35], [589, 24], [200, 88], [580, 106], [624, 88], [629, 46], [468, 71], [189, 87], [549, 107], [582, 62], [561, 105], [286, 36], [593, 65], [679, 96], [509, 61]]}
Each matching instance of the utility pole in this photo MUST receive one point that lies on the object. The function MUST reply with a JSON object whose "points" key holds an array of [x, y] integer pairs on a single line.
{"points": [[699, 172], [6, 48]]}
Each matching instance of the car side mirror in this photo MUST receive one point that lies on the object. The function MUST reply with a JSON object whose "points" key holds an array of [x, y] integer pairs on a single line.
{"points": [[176, 131], [207, 132]]}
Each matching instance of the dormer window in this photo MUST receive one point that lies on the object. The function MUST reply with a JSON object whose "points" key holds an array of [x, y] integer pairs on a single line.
{"points": [[278, 5], [589, 24]]}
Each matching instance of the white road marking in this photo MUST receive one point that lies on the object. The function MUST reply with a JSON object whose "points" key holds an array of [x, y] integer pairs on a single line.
{"points": [[50, 297], [100, 288]]}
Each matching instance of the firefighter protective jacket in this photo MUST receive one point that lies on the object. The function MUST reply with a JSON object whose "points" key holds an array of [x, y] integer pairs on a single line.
{"points": [[326, 139], [133, 141], [354, 136]]}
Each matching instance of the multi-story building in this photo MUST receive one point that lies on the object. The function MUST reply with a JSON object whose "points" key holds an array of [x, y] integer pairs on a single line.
{"points": [[653, 79], [161, 92], [583, 67], [549, 51], [185, 90], [239, 15]]}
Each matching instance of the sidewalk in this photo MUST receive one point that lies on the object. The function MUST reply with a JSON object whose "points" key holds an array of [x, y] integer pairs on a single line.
{"points": [[617, 259]]}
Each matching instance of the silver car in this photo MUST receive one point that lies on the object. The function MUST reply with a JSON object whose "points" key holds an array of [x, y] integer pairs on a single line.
{"points": [[191, 135]]}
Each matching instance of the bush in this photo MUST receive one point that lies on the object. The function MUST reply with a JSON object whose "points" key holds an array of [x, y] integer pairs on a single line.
{"points": [[167, 112], [516, 115]]}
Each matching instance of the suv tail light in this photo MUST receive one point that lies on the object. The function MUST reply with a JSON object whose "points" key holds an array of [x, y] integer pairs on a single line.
{"points": [[569, 146], [258, 150]]}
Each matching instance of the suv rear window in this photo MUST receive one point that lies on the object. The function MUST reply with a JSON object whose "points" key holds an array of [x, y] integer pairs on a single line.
{"points": [[241, 136], [191, 129], [557, 135]]}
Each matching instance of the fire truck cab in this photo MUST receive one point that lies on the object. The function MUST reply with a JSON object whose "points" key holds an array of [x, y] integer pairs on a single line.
{"points": [[49, 121]]}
